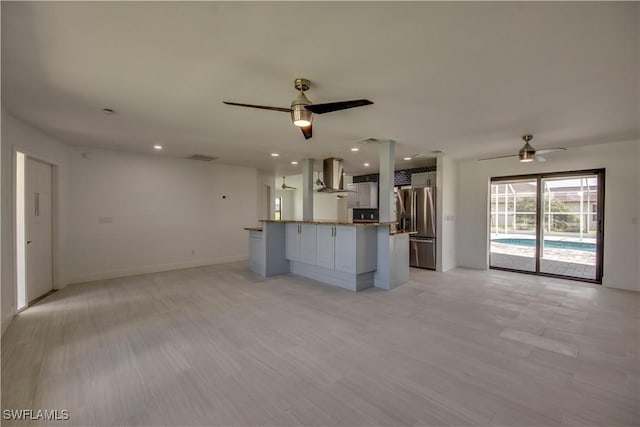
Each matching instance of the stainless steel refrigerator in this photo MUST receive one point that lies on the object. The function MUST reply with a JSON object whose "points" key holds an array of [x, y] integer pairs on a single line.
{"points": [[416, 211]]}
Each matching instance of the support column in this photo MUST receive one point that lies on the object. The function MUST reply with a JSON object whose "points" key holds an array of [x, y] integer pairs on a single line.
{"points": [[385, 185], [307, 190], [393, 251]]}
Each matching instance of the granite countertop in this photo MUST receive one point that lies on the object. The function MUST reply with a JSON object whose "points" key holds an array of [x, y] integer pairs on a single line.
{"points": [[253, 228], [357, 223]]}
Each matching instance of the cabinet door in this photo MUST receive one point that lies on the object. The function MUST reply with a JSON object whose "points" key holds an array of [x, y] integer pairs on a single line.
{"points": [[373, 195], [419, 179], [325, 246], [364, 195], [308, 243], [352, 196], [367, 195], [345, 249], [292, 237], [431, 179]]}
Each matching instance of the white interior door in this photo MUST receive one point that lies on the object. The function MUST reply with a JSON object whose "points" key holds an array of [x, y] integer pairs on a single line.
{"points": [[38, 229]]}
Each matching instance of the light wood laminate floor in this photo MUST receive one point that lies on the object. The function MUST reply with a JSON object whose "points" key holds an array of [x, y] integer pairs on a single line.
{"points": [[219, 346]]}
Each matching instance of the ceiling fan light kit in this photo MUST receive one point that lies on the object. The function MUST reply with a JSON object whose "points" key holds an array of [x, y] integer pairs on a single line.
{"points": [[527, 153], [300, 116], [302, 109]]}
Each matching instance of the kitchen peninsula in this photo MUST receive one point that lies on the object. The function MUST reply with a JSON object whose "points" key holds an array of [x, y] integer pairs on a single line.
{"points": [[349, 254]]}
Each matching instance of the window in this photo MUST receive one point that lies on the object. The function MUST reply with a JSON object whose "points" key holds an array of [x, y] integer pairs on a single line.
{"points": [[277, 212]]}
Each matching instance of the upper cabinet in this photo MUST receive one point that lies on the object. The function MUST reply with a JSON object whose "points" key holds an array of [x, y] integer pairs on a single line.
{"points": [[363, 195], [424, 179]]}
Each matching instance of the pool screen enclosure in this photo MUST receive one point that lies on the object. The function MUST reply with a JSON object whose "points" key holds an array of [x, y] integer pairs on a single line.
{"points": [[549, 224]]}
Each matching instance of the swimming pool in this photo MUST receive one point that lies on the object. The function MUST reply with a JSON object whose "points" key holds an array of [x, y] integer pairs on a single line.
{"points": [[578, 246]]}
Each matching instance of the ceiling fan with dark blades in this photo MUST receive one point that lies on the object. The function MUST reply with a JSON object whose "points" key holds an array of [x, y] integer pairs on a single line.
{"points": [[302, 109], [527, 153], [284, 186]]}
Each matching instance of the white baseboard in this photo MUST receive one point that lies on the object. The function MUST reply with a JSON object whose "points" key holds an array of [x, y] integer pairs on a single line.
{"points": [[147, 269]]}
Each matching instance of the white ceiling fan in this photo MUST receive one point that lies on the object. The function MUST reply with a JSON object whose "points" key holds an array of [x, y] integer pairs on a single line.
{"points": [[527, 153]]}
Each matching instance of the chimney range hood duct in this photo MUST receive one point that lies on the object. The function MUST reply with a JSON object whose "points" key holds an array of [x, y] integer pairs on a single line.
{"points": [[332, 174]]}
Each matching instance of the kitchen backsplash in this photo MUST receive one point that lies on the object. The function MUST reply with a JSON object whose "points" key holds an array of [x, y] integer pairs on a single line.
{"points": [[365, 213], [400, 177]]}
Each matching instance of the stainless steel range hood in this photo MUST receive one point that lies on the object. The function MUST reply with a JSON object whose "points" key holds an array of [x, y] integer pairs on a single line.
{"points": [[332, 174]]}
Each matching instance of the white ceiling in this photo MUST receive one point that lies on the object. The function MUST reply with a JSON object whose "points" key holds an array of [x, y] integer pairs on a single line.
{"points": [[466, 78]]}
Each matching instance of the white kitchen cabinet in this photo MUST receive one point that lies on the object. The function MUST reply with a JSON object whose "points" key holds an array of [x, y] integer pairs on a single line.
{"points": [[301, 242], [423, 179], [293, 242], [308, 249], [363, 195], [340, 255], [325, 246], [348, 249], [345, 249]]}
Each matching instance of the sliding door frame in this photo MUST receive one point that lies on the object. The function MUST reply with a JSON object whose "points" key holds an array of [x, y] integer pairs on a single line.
{"points": [[538, 177]]}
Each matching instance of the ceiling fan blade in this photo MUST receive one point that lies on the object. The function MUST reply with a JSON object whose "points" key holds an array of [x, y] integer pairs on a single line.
{"points": [[262, 107], [336, 106], [499, 157], [307, 131], [550, 150], [539, 158]]}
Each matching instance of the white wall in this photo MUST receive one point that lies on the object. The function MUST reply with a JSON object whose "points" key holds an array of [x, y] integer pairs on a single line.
{"points": [[446, 196], [622, 205], [167, 213], [17, 135], [121, 213], [326, 206]]}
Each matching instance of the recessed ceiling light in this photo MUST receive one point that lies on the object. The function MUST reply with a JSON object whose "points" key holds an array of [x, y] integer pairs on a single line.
{"points": [[157, 147], [407, 158], [294, 163], [366, 165], [108, 111], [274, 154], [355, 149]]}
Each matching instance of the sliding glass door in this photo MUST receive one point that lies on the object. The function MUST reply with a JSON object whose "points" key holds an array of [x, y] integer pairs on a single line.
{"points": [[548, 224], [570, 225], [513, 224]]}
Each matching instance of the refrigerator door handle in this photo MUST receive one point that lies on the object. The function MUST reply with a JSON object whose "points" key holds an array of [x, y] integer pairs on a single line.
{"points": [[422, 240], [414, 210], [432, 210], [403, 211]]}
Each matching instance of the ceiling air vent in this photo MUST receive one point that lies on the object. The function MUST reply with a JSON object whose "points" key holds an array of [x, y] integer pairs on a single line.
{"points": [[368, 140], [201, 157]]}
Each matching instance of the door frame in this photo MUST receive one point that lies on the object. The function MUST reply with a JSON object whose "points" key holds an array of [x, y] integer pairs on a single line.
{"points": [[601, 176], [55, 219]]}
